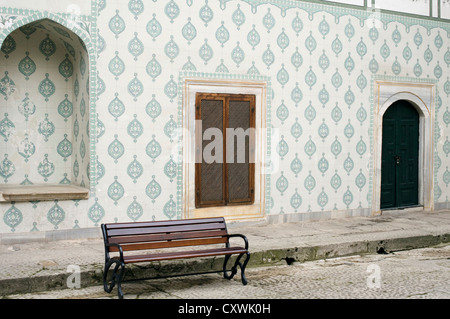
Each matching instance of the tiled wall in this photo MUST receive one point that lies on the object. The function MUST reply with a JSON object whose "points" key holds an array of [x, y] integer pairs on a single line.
{"points": [[320, 62]]}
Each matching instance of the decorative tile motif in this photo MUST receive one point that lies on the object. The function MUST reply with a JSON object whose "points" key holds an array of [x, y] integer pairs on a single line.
{"points": [[8, 46], [66, 68], [47, 47], [56, 215], [7, 86], [135, 210], [6, 127], [96, 212], [13, 217], [117, 24], [116, 191], [65, 108], [135, 169], [7, 168], [27, 66], [26, 148], [46, 128], [153, 189]]}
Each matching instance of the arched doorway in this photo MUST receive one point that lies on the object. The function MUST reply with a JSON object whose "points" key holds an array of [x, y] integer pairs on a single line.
{"points": [[420, 95], [400, 156]]}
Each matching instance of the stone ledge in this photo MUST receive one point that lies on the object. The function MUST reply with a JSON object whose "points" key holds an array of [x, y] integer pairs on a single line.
{"points": [[42, 192]]}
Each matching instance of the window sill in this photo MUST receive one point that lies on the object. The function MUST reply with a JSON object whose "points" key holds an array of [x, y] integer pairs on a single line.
{"points": [[42, 192]]}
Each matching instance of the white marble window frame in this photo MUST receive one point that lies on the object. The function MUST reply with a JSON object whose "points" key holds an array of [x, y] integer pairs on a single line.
{"points": [[241, 212]]}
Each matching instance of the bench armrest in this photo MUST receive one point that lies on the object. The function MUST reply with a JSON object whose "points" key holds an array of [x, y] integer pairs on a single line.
{"points": [[238, 235], [118, 247]]}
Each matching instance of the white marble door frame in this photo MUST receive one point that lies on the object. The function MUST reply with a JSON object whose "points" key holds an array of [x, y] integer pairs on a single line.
{"points": [[422, 97]]}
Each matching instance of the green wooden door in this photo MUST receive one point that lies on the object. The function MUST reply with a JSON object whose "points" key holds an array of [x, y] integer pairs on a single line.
{"points": [[400, 156]]}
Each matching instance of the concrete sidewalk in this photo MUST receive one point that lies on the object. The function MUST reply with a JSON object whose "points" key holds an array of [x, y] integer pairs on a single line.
{"points": [[41, 266]]}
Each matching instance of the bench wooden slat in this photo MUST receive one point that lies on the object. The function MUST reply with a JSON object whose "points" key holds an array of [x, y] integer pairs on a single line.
{"points": [[185, 254], [165, 236], [170, 244], [164, 229], [165, 223]]}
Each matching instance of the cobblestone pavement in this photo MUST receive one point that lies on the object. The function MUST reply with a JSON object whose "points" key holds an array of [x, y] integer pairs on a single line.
{"points": [[419, 274]]}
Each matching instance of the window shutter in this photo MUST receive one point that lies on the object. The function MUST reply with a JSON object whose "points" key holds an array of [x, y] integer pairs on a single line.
{"points": [[240, 163], [210, 175], [224, 169]]}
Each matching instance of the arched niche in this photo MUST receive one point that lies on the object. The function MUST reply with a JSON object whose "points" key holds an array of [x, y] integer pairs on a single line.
{"points": [[44, 113]]}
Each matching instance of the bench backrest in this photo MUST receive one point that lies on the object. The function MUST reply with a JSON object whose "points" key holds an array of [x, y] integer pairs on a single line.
{"points": [[165, 234]]}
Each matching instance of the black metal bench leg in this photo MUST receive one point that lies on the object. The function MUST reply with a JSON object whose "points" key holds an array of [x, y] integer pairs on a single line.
{"points": [[244, 280], [116, 276], [234, 268], [107, 287]]}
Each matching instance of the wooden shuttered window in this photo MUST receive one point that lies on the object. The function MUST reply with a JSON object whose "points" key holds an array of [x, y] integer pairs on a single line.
{"points": [[228, 176]]}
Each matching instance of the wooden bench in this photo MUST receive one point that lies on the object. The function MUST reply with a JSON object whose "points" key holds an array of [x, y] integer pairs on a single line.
{"points": [[123, 238]]}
